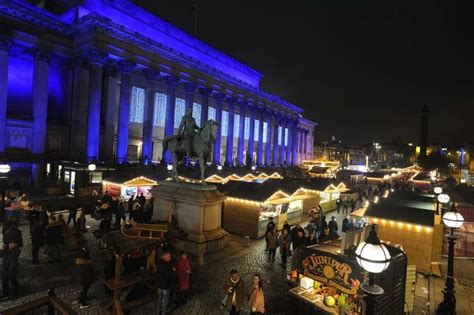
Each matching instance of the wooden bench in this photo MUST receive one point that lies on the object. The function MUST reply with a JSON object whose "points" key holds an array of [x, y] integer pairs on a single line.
{"points": [[144, 231]]}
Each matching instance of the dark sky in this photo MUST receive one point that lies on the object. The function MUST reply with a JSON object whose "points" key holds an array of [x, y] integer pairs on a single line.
{"points": [[360, 69]]}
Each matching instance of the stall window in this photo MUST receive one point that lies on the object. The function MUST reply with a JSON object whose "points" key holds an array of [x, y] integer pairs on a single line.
{"points": [[72, 183], [96, 177], [67, 178], [295, 205]]}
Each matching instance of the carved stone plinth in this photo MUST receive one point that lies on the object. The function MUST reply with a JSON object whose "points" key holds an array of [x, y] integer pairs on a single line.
{"points": [[198, 210]]}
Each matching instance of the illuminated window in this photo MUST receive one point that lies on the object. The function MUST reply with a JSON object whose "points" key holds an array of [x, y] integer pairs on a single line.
{"points": [[137, 105], [236, 125], [279, 135], [286, 136], [211, 114], [247, 128], [225, 123], [159, 110], [179, 111], [255, 129], [265, 129], [197, 113]]}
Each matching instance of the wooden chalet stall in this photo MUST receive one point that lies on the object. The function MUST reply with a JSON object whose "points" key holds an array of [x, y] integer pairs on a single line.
{"points": [[127, 185], [410, 220], [249, 205]]}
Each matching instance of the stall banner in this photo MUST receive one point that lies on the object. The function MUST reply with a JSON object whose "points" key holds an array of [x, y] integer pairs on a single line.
{"points": [[333, 270]]}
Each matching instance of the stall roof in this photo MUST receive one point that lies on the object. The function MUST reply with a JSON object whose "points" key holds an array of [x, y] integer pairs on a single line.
{"points": [[404, 207], [422, 176], [131, 179]]}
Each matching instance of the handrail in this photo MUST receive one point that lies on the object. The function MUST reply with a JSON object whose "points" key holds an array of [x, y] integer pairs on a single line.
{"points": [[52, 301]]}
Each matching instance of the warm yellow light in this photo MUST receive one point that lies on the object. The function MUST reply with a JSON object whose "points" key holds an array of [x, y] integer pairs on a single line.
{"points": [[409, 225], [392, 223], [418, 228], [383, 221], [375, 220], [428, 229], [400, 224]]}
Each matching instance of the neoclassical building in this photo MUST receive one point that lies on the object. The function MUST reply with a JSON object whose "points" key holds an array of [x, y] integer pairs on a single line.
{"points": [[106, 80]]}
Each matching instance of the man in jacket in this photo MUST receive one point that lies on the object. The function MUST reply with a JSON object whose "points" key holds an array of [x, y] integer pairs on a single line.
{"points": [[165, 276], [235, 289], [270, 227], [11, 252], [332, 225], [85, 275]]}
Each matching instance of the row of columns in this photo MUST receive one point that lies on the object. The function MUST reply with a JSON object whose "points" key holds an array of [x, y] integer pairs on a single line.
{"points": [[89, 94]]}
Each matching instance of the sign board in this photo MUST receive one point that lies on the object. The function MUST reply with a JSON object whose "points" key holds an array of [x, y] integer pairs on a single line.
{"points": [[333, 270]]}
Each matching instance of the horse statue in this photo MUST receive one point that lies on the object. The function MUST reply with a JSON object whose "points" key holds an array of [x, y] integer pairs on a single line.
{"points": [[201, 144]]}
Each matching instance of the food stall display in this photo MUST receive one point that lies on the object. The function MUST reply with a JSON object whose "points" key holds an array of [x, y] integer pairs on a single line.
{"points": [[127, 187], [326, 282]]}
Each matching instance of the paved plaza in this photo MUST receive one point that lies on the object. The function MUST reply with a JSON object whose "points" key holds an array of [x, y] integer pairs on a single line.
{"points": [[207, 281]]}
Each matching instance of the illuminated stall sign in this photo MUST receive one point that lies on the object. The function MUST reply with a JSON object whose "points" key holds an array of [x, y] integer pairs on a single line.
{"points": [[336, 271]]}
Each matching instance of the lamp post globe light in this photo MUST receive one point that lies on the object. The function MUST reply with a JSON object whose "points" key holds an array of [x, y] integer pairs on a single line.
{"points": [[91, 167], [452, 219], [169, 167], [373, 257], [4, 170], [438, 190]]}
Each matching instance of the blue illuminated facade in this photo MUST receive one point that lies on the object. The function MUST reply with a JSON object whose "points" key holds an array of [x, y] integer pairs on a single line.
{"points": [[107, 80]]}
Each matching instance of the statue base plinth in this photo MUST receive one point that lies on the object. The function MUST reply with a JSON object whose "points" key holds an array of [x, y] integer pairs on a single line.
{"points": [[198, 210]]}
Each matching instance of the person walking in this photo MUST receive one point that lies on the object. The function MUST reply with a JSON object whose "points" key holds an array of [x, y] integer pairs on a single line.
{"points": [[345, 223], [120, 215], [85, 275], [37, 240], [272, 241], [72, 216], [284, 242], [332, 225], [257, 296], [270, 227], [53, 239], [165, 275], [235, 288], [183, 271], [13, 241]]}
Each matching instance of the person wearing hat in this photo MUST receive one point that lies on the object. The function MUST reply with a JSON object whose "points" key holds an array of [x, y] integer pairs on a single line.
{"points": [[85, 275], [165, 277]]}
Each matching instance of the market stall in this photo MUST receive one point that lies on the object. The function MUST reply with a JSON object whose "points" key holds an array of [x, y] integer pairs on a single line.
{"points": [[125, 186]]}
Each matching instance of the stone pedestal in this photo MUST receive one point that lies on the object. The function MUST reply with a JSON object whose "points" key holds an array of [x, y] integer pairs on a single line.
{"points": [[198, 210]]}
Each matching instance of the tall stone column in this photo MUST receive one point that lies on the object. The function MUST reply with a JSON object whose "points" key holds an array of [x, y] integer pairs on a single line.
{"points": [[268, 145], [251, 146], [110, 88], [260, 138], [189, 87], [241, 141], [42, 58], [217, 144], [205, 92], [172, 83], [295, 145], [275, 140], [126, 67], [282, 146], [5, 45], [80, 104], [230, 133], [290, 143], [151, 76], [305, 143]]}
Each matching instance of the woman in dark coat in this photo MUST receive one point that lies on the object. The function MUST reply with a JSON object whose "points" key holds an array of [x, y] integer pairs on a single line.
{"points": [[85, 274]]}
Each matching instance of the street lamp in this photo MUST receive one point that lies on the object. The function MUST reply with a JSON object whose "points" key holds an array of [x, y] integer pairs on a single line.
{"points": [[437, 190], [452, 219], [442, 198], [4, 169], [373, 257], [219, 167], [91, 167]]}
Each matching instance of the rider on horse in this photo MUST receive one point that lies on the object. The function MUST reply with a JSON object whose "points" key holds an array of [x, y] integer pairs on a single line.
{"points": [[187, 130]]}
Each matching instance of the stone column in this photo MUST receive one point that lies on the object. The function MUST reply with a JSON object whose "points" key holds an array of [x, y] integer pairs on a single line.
{"points": [[268, 146], [230, 133], [126, 67], [42, 58], [80, 103], [241, 141], [290, 143], [217, 145], [151, 76], [295, 144], [171, 82], [205, 92], [282, 146], [275, 139], [189, 87], [251, 147], [305, 143], [110, 112], [5, 45], [260, 138]]}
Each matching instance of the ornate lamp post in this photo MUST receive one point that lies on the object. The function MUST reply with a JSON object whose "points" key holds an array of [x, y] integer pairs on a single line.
{"points": [[91, 168], [443, 199], [437, 191], [373, 257], [4, 169], [452, 219]]}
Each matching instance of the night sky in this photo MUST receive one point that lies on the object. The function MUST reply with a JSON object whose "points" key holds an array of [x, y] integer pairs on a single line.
{"points": [[360, 69]]}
